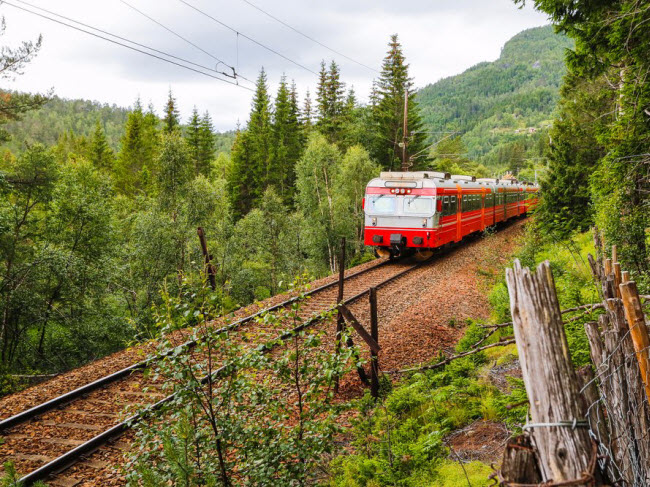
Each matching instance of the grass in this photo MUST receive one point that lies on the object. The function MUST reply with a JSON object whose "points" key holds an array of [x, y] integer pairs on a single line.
{"points": [[399, 441]]}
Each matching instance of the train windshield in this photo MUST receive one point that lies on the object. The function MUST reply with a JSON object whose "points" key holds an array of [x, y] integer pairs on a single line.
{"points": [[418, 204], [380, 203]]}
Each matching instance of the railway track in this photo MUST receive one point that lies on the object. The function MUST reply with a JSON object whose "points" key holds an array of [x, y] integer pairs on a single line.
{"points": [[50, 437]]}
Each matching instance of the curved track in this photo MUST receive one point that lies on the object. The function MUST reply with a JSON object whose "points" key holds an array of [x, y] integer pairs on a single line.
{"points": [[55, 434]]}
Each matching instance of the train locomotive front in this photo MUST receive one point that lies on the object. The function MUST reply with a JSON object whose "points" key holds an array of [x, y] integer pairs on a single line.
{"points": [[417, 212], [400, 213]]}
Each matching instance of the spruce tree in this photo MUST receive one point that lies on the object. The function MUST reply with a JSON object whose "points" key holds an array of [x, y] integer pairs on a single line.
{"points": [[192, 136], [171, 121], [207, 145], [129, 162], [307, 113], [388, 112], [286, 147], [135, 162], [330, 101], [100, 153], [297, 143], [251, 153]]}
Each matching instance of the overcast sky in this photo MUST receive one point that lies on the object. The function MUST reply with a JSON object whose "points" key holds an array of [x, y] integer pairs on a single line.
{"points": [[440, 38]]}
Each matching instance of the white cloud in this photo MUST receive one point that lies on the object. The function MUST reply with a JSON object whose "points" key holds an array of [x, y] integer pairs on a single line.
{"points": [[440, 38]]}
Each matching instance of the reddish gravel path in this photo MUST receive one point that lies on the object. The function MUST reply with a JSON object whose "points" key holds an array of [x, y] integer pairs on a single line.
{"points": [[414, 314]]}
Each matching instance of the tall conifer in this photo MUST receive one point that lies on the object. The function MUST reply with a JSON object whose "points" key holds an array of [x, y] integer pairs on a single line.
{"points": [[307, 113], [101, 154], [200, 141], [388, 112], [287, 146], [251, 153], [330, 101], [207, 144], [171, 121]]}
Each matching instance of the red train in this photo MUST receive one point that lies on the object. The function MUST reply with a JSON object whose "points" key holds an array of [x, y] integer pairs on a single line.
{"points": [[420, 211]]}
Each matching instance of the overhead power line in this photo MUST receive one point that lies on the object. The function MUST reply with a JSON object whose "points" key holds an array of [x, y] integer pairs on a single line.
{"points": [[309, 37], [114, 35], [234, 74], [113, 41], [247, 37]]}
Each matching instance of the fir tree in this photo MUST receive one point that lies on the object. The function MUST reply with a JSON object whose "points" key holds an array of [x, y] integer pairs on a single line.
{"points": [[207, 145], [307, 115], [250, 157], [286, 136], [330, 101], [171, 121], [388, 112], [137, 151], [192, 136], [200, 141], [100, 153]]}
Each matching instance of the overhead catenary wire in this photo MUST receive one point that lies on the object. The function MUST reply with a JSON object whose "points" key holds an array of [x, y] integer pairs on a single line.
{"points": [[306, 36], [234, 74], [270, 49], [113, 41], [115, 35]]}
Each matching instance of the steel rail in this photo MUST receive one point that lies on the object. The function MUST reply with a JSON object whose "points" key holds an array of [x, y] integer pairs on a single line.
{"points": [[71, 457], [70, 396]]}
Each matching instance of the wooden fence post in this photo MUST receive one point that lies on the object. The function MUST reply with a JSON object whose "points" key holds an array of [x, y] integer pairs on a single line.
{"points": [[340, 322], [638, 330], [207, 258], [374, 332], [559, 428]]}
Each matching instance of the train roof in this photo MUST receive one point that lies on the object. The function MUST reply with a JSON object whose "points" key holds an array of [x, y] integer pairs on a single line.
{"points": [[434, 179]]}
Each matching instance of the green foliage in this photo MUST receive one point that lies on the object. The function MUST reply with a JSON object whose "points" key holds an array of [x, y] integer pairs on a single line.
{"points": [[171, 120], [201, 142], [12, 61], [611, 68], [494, 104], [453, 474], [134, 165], [315, 176], [216, 430], [388, 113], [100, 153], [400, 441]]}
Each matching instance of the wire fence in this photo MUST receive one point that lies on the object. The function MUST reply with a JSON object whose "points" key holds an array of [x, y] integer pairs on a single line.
{"points": [[609, 402]]}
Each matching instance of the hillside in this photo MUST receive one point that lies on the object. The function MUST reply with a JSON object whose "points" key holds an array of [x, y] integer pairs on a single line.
{"points": [[61, 115], [496, 105]]}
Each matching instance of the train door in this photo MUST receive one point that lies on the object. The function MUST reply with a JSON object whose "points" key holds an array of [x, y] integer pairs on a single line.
{"points": [[459, 214]]}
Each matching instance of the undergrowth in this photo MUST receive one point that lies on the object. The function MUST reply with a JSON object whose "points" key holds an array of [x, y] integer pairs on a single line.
{"points": [[400, 440]]}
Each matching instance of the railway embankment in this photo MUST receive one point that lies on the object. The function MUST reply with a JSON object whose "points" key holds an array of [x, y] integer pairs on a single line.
{"points": [[422, 314]]}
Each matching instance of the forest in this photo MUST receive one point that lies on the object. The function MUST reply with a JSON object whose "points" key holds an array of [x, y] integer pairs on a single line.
{"points": [[100, 206]]}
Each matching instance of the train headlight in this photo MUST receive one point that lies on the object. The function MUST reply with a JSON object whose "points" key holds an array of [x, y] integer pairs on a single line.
{"points": [[374, 222], [418, 240]]}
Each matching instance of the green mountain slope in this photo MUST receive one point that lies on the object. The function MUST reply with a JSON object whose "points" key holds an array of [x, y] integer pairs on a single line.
{"points": [[501, 107], [60, 115]]}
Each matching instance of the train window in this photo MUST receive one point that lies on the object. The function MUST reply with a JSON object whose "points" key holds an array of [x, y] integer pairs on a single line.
{"points": [[446, 199], [380, 204], [418, 204]]}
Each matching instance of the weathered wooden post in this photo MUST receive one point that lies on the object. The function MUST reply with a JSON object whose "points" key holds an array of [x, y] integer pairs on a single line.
{"points": [[340, 322], [617, 278], [559, 428], [638, 330], [207, 258], [374, 332], [622, 390]]}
